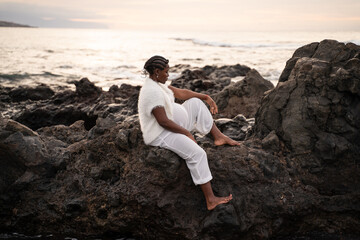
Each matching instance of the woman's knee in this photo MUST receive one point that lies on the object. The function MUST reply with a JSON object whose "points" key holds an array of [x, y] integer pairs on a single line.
{"points": [[195, 100], [198, 155], [194, 104]]}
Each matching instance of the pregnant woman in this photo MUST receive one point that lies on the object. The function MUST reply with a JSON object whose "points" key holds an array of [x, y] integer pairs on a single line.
{"points": [[167, 124]]}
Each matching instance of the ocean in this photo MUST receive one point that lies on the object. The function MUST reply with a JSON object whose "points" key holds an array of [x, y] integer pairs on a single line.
{"points": [[57, 57]]}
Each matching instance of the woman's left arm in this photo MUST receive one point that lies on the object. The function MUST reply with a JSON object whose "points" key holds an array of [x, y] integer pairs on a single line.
{"points": [[185, 94]]}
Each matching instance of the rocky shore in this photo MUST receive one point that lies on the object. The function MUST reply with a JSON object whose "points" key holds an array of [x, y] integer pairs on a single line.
{"points": [[11, 24], [74, 162]]}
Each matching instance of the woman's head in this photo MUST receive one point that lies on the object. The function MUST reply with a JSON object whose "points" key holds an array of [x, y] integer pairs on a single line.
{"points": [[155, 62]]}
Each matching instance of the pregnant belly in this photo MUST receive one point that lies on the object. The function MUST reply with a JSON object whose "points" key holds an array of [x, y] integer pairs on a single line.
{"points": [[180, 115]]}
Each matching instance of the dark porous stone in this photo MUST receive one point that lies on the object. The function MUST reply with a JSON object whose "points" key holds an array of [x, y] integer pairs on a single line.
{"points": [[315, 113], [209, 79], [86, 88], [244, 96], [83, 169], [271, 142], [41, 92]]}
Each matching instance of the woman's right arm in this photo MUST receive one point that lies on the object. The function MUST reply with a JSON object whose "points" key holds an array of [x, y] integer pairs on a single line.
{"points": [[160, 115]]}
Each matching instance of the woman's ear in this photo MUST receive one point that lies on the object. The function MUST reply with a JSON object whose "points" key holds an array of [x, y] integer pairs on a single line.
{"points": [[157, 71]]}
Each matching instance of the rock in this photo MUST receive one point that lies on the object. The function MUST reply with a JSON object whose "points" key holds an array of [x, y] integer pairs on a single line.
{"points": [[67, 134], [237, 128], [102, 125], [340, 53], [271, 142], [13, 126], [47, 115], [86, 104], [243, 97], [178, 68], [28, 148], [11, 167], [85, 88], [227, 71], [209, 79], [41, 92], [74, 207], [103, 180], [315, 114], [313, 108], [164, 160]]}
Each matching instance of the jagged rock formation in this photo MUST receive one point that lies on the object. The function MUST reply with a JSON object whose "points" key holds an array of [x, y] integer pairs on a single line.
{"points": [[243, 96], [209, 79], [316, 106], [104, 181], [87, 103]]}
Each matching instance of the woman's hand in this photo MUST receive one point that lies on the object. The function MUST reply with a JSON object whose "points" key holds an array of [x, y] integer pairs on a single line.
{"points": [[212, 104], [189, 135], [185, 94], [160, 115]]}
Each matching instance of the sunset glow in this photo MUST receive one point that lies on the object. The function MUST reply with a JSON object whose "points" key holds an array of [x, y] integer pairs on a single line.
{"points": [[238, 15]]}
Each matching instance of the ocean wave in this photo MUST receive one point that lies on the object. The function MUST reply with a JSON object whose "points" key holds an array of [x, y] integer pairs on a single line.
{"points": [[228, 45], [357, 42], [20, 76], [65, 66], [14, 76], [125, 66], [192, 59]]}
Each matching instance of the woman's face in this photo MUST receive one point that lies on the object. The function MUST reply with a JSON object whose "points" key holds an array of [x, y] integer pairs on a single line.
{"points": [[163, 75]]}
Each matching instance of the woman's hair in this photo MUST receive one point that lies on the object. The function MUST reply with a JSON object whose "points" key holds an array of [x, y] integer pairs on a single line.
{"points": [[155, 62]]}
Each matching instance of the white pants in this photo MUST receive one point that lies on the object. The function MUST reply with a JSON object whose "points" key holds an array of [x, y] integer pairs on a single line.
{"points": [[191, 115]]}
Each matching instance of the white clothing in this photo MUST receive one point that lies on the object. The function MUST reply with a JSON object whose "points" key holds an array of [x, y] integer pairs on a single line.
{"points": [[191, 115], [153, 94]]}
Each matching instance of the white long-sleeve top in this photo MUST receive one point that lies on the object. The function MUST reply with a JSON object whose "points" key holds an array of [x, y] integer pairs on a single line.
{"points": [[153, 94]]}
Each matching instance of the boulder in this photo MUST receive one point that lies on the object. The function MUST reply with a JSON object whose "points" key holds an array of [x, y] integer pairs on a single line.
{"points": [[314, 110], [87, 103], [209, 79], [339, 54], [41, 92], [66, 134], [104, 182], [237, 128], [85, 88], [315, 113], [242, 97], [14, 126]]}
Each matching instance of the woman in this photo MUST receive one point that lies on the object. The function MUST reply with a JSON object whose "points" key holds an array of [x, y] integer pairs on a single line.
{"points": [[167, 124]]}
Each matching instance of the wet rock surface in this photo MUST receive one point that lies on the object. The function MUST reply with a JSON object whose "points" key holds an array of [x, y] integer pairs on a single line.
{"points": [[99, 179]]}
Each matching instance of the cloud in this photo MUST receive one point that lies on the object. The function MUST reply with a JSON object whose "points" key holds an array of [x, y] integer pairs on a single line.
{"points": [[197, 15], [49, 16]]}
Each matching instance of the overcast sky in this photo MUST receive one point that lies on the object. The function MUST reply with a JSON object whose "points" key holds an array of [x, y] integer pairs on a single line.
{"points": [[189, 15]]}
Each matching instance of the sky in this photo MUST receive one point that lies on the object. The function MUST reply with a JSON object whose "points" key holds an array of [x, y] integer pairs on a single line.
{"points": [[188, 15]]}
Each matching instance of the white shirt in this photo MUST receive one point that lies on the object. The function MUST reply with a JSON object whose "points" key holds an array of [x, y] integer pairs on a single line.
{"points": [[153, 94]]}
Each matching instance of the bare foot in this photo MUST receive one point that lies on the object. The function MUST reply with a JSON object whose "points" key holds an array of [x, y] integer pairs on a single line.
{"points": [[212, 203], [225, 140]]}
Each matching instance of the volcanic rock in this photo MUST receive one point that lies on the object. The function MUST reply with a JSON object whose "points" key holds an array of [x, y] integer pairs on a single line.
{"points": [[243, 97], [104, 182], [40, 92], [87, 103], [209, 79], [315, 113], [317, 108]]}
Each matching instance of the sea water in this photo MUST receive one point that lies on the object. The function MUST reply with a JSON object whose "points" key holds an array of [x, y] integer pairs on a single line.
{"points": [[57, 57]]}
